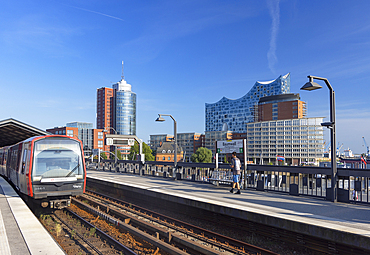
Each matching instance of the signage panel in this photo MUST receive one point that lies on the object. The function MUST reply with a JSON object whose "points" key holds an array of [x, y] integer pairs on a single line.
{"points": [[230, 146], [109, 141]]}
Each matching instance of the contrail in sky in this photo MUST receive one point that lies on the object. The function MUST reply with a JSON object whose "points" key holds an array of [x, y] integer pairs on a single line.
{"points": [[273, 6], [109, 16]]}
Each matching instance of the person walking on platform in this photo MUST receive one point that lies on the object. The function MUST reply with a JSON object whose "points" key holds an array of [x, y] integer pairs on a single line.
{"points": [[235, 166]]}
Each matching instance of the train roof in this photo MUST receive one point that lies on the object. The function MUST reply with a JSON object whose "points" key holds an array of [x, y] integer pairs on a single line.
{"points": [[13, 131]]}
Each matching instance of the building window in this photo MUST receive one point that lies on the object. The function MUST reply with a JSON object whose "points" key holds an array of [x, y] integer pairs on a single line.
{"points": [[100, 144]]}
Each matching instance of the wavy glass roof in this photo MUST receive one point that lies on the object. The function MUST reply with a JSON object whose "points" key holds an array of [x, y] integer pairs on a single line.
{"points": [[235, 113]]}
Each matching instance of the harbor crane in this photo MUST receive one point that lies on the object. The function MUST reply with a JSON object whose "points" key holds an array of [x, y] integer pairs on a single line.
{"points": [[367, 147], [339, 147]]}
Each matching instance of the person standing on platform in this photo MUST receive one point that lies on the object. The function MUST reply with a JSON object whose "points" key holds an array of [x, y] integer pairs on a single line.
{"points": [[235, 166]]}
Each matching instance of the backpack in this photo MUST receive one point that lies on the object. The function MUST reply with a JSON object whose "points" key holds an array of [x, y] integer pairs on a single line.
{"points": [[237, 164]]}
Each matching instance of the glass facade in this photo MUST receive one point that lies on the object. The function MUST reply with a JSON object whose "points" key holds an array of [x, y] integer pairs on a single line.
{"points": [[124, 108], [79, 125], [125, 112], [85, 134], [232, 115]]}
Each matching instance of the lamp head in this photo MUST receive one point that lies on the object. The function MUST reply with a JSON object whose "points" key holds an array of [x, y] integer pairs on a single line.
{"points": [[160, 118], [311, 85]]}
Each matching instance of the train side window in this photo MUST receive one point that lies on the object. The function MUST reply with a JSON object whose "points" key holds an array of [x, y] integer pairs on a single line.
{"points": [[24, 160], [28, 161]]}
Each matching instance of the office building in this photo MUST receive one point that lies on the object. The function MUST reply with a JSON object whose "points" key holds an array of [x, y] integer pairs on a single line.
{"points": [[211, 137], [298, 141], [85, 134], [233, 115], [91, 138], [157, 140], [104, 108], [189, 142], [116, 112], [116, 108], [124, 108]]}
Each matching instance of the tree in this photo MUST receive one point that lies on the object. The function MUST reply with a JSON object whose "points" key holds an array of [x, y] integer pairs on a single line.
{"points": [[225, 159], [202, 155], [146, 150], [103, 155], [119, 155]]}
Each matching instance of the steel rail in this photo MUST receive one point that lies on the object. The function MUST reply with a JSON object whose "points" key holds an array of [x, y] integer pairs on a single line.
{"points": [[121, 224], [195, 231], [124, 249], [79, 235]]}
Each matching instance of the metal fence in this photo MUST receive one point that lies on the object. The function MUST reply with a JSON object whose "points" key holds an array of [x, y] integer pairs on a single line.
{"points": [[353, 184]]}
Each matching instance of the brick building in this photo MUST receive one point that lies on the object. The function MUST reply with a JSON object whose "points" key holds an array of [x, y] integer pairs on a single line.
{"points": [[280, 107], [90, 138], [166, 152], [104, 108]]}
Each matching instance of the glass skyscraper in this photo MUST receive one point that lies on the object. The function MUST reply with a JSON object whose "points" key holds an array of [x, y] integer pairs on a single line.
{"points": [[124, 108], [232, 115]]}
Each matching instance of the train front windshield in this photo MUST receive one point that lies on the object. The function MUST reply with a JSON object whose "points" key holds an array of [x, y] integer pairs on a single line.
{"points": [[57, 158]]}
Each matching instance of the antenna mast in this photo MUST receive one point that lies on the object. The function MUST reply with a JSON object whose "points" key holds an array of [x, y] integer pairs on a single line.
{"points": [[122, 76]]}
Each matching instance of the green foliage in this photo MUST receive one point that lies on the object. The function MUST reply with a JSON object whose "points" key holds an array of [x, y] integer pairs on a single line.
{"points": [[58, 229], [92, 231], [103, 155], [146, 150], [73, 234], [225, 159], [119, 155], [202, 155]]}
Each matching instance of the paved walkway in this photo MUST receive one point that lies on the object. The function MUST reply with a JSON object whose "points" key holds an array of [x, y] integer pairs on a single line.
{"points": [[20, 231]]}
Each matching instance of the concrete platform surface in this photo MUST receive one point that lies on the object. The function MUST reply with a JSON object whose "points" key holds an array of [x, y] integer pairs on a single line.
{"points": [[20, 230], [346, 223]]}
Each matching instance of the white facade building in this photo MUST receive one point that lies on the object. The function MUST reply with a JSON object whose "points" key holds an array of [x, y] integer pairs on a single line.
{"points": [[296, 140]]}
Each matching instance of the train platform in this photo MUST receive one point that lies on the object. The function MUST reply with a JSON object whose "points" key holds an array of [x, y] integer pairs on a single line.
{"points": [[338, 222], [20, 230]]}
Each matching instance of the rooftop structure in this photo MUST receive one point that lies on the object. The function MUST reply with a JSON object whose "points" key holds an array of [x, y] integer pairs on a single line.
{"points": [[232, 115], [279, 107], [166, 152]]}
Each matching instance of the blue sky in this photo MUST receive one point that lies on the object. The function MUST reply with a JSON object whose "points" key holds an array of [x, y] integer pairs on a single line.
{"points": [[180, 55]]}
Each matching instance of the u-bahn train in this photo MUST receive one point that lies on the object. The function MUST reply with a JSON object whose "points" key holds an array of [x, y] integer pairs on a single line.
{"points": [[47, 170]]}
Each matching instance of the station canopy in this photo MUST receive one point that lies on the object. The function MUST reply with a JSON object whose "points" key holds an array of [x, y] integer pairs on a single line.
{"points": [[13, 131]]}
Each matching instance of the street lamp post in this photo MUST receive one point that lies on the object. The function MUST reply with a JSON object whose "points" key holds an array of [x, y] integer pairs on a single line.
{"points": [[115, 147], [311, 85], [175, 134]]}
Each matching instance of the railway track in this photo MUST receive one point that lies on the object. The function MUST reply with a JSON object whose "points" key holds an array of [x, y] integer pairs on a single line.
{"points": [[90, 239], [193, 239]]}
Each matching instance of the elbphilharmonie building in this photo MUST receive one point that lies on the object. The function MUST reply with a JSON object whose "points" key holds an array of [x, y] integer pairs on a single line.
{"points": [[233, 114]]}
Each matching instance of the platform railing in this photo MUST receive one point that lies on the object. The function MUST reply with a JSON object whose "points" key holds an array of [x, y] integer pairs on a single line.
{"points": [[353, 184]]}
